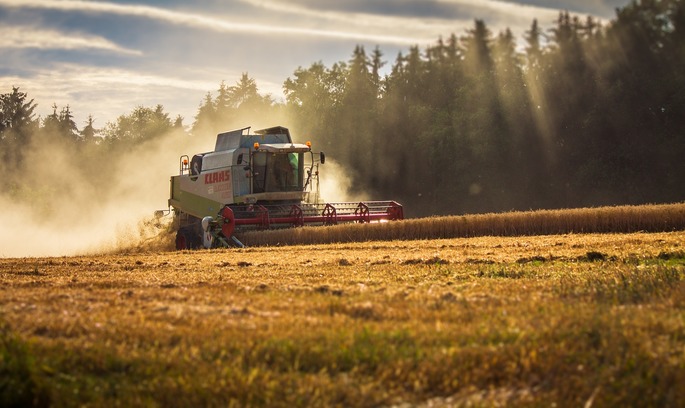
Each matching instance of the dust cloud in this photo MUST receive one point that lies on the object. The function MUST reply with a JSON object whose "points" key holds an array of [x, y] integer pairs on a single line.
{"points": [[70, 206], [335, 185]]}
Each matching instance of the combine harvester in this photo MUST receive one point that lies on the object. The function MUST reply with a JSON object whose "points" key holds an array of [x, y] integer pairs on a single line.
{"points": [[256, 182]]}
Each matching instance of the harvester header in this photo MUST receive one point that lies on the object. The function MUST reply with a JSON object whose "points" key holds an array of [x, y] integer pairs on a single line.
{"points": [[261, 180]]}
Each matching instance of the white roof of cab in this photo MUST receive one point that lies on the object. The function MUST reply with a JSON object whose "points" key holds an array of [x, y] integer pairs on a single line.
{"points": [[284, 147]]}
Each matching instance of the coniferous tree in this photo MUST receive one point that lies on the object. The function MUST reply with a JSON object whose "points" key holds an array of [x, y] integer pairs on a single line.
{"points": [[222, 104], [68, 128], [16, 114], [60, 126], [51, 123], [17, 127], [89, 132], [206, 117], [234, 106], [357, 115], [248, 103]]}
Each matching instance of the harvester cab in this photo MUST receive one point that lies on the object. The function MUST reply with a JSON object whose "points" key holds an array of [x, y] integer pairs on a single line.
{"points": [[256, 181]]}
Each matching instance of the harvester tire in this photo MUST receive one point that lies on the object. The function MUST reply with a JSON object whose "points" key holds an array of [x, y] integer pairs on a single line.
{"points": [[182, 241], [187, 240]]}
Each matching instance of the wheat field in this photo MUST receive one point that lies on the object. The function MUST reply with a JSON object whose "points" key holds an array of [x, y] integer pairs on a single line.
{"points": [[565, 320], [619, 219]]}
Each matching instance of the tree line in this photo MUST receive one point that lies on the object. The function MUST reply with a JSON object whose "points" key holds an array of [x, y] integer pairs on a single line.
{"points": [[583, 114]]}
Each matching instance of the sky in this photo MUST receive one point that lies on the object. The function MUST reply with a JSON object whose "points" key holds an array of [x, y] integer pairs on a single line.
{"points": [[104, 58]]}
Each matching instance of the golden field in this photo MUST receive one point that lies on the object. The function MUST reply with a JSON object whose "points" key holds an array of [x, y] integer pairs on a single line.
{"points": [[616, 219], [565, 320]]}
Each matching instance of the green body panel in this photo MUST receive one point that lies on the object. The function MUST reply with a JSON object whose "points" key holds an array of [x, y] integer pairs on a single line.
{"points": [[191, 203]]}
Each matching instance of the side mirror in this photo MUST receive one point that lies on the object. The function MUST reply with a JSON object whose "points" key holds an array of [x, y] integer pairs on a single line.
{"points": [[322, 157]]}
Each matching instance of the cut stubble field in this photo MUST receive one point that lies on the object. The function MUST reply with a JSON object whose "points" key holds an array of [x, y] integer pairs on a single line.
{"points": [[571, 320]]}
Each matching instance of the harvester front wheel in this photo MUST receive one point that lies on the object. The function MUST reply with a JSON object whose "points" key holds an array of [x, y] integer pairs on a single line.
{"points": [[187, 240], [182, 241]]}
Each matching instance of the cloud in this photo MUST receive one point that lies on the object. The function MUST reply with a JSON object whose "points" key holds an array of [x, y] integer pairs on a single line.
{"points": [[382, 22], [418, 19], [203, 22], [439, 9], [108, 92], [432, 10], [43, 38], [360, 19]]}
